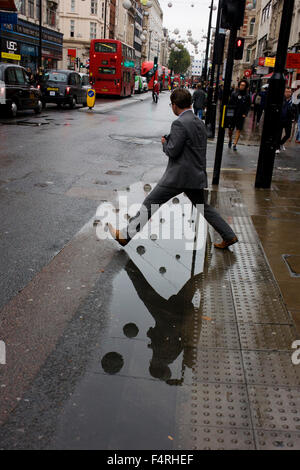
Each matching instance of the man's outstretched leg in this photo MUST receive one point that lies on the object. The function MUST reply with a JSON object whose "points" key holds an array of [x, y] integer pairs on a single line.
{"points": [[198, 197], [158, 196]]}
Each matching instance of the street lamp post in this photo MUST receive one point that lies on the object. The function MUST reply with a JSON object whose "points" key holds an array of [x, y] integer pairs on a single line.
{"points": [[204, 73], [150, 33], [105, 14], [40, 34], [210, 119], [271, 128]]}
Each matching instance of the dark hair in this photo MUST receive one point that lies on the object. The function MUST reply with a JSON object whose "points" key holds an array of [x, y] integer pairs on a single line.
{"points": [[243, 81], [182, 98]]}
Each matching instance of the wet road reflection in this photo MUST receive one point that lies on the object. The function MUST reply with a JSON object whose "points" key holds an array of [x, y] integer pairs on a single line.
{"points": [[133, 391]]}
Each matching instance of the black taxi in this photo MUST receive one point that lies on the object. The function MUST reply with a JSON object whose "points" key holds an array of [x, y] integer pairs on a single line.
{"points": [[16, 90], [63, 87]]}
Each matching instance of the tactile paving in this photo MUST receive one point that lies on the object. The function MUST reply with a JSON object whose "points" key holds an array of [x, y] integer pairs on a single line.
{"points": [[215, 334], [219, 366], [218, 405], [275, 408], [217, 301], [258, 302], [267, 337], [271, 368], [277, 440], [210, 438]]}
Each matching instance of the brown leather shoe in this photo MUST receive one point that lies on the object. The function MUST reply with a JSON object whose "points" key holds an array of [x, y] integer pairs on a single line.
{"points": [[226, 243], [116, 234]]}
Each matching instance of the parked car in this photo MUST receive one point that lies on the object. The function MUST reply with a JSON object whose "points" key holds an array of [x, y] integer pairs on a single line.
{"points": [[16, 91], [138, 84], [63, 87], [145, 84]]}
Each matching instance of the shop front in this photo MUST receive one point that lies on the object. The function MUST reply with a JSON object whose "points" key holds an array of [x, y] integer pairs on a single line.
{"points": [[20, 45]]}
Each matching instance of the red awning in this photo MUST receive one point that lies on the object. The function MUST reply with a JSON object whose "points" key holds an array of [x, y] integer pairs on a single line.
{"points": [[8, 5]]}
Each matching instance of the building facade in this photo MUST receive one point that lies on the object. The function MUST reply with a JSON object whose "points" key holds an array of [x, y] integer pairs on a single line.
{"points": [[19, 42], [80, 21]]}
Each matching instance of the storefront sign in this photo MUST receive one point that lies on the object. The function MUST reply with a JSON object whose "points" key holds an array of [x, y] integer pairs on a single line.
{"points": [[10, 49], [248, 73], [269, 61], [261, 61], [293, 61], [72, 52]]}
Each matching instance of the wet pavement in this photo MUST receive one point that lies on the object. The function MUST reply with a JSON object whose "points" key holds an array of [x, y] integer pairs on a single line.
{"points": [[105, 350]]}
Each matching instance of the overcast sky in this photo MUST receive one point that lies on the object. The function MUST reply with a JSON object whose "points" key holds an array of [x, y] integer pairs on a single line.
{"points": [[183, 16]]}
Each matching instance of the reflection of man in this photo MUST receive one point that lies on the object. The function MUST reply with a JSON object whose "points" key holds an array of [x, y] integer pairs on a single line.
{"points": [[174, 324], [185, 147]]}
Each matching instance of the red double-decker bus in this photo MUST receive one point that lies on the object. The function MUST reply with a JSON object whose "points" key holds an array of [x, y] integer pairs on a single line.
{"points": [[161, 74], [112, 67]]}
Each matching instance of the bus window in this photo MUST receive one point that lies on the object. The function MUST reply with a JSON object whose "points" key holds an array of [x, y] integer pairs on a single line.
{"points": [[105, 47], [107, 70]]}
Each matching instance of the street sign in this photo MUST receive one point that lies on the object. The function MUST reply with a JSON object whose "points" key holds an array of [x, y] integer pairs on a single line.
{"points": [[293, 61], [262, 70], [270, 61]]}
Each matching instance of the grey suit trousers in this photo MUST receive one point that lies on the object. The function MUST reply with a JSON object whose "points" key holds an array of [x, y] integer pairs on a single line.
{"points": [[161, 194]]}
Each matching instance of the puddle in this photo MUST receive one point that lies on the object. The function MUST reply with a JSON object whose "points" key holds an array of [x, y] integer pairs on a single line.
{"points": [[135, 140]]}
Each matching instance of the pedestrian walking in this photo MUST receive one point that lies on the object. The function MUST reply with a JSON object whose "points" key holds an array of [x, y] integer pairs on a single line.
{"points": [[199, 101], [185, 147], [287, 117], [155, 92], [240, 100]]}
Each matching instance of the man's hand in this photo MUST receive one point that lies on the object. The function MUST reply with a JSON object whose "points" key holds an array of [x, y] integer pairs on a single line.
{"points": [[163, 140]]}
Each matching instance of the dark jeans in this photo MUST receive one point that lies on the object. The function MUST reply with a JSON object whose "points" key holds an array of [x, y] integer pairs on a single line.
{"points": [[287, 127], [162, 194]]}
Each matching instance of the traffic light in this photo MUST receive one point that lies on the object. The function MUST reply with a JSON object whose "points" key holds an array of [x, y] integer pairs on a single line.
{"points": [[155, 63], [81, 65], [182, 77], [77, 61], [232, 16], [239, 48]]}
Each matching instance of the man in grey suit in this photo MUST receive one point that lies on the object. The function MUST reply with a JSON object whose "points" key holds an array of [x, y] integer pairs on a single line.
{"points": [[186, 172]]}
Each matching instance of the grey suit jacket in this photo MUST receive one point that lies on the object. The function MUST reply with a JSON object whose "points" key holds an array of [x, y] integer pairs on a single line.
{"points": [[186, 149]]}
